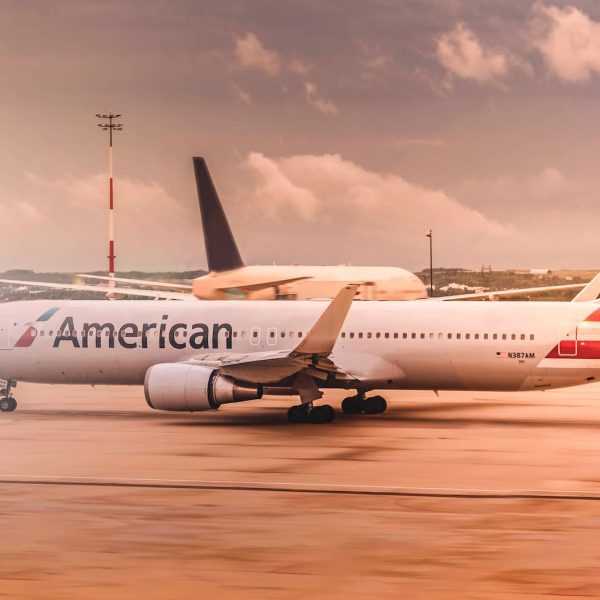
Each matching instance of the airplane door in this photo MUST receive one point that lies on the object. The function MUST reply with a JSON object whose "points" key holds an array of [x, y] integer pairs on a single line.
{"points": [[567, 339], [5, 334]]}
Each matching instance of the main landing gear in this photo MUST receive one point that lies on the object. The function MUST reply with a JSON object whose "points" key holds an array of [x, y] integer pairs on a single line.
{"points": [[7, 402], [306, 413], [354, 405]]}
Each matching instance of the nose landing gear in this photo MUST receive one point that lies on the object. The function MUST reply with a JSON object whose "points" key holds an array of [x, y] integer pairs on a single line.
{"points": [[7, 402]]}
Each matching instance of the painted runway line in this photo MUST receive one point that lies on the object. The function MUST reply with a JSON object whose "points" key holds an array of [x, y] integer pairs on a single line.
{"points": [[293, 487]]}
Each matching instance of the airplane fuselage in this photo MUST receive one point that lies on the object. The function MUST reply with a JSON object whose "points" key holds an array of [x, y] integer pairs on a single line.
{"points": [[393, 345]]}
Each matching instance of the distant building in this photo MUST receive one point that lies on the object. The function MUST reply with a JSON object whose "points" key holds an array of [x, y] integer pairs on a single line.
{"points": [[540, 272]]}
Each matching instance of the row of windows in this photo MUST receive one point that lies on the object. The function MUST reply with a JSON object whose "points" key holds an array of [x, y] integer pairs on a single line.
{"points": [[440, 336], [360, 335]]}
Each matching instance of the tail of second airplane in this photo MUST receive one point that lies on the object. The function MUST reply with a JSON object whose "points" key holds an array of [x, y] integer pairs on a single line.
{"points": [[221, 250]]}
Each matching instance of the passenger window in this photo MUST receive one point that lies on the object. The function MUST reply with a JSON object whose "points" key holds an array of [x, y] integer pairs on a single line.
{"points": [[387, 336], [449, 336], [431, 336], [396, 336], [485, 336], [413, 335], [440, 336], [422, 336], [476, 336], [352, 334], [495, 336], [235, 334], [369, 335], [467, 336], [513, 337], [522, 336], [378, 335], [299, 334], [343, 334], [458, 336], [243, 334], [404, 335], [503, 336], [255, 336], [532, 337]]}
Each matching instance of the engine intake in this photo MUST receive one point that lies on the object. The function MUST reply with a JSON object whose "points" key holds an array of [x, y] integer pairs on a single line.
{"points": [[180, 387]]}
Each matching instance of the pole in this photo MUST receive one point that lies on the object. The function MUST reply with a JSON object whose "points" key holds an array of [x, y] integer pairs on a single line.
{"points": [[110, 126], [430, 236]]}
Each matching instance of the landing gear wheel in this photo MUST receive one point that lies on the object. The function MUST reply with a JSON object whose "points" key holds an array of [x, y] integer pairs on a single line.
{"points": [[382, 404], [298, 414], [374, 405], [8, 404], [322, 414], [352, 405]]}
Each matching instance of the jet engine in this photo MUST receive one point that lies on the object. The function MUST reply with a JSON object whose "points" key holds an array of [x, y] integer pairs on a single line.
{"points": [[192, 388]]}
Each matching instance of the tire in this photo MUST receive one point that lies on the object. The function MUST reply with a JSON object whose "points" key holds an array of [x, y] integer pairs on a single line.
{"points": [[329, 413], [5, 405], [297, 414], [371, 405], [13, 404], [381, 404], [352, 405]]}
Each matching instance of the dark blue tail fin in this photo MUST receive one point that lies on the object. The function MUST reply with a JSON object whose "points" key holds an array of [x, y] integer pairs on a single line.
{"points": [[221, 250]]}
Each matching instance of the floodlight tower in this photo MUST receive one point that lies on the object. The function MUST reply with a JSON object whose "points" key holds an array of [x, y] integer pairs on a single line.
{"points": [[109, 125]]}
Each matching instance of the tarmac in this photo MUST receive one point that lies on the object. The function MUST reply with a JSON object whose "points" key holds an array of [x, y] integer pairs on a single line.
{"points": [[469, 495]]}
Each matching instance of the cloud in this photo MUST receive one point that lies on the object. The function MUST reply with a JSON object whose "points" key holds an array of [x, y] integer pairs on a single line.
{"points": [[317, 101], [417, 142], [251, 54], [325, 209], [276, 193], [63, 222], [241, 96], [461, 53], [569, 42], [556, 216]]}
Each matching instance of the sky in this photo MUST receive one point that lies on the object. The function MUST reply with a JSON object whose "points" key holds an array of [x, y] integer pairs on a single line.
{"points": [[336, 131]]}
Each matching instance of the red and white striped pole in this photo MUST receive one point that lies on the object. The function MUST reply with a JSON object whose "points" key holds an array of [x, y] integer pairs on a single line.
{"points": [[110, 127]]}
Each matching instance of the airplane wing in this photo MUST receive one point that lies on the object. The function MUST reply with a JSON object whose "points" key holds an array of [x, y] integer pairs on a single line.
{"points": [[256, 284], [493, 294], [590, 292], [142, 282], [309, 356], [156, 294]]}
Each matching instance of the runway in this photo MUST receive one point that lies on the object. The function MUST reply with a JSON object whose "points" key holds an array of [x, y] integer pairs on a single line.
{"points": [[466, 495]]}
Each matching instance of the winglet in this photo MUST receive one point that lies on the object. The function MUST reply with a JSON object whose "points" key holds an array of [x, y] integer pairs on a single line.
{"points": [[324, 333], [221, 250], [590, 292]]}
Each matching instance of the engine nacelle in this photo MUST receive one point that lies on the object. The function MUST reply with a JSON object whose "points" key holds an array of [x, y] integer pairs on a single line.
{"points": [[173, 386]]}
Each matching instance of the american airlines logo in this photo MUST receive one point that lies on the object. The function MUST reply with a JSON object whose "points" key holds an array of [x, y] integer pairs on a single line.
{"points": [[31, 332], [180, 336]]}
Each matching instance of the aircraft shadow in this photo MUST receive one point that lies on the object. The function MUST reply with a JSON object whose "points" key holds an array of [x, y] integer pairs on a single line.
{"points": [[437, 414]]}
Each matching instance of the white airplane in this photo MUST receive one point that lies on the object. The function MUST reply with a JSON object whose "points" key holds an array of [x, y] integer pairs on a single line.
{"points": [[198, 356], [230, 278]]}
